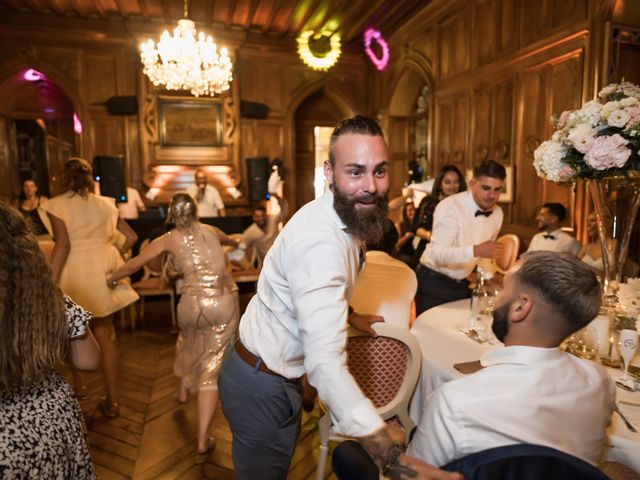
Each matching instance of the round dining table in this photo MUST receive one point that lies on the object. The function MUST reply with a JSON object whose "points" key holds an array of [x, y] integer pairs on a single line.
{"points": [[444, 343]]}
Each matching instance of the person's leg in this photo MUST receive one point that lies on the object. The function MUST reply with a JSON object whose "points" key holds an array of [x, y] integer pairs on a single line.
{"points": [[264, 415], [351, 462], [102, 329], [207, 403], [182, 395]]}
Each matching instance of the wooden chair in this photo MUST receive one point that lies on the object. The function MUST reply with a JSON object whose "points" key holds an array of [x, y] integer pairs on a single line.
{"points": [[154, 284], [509, 255], [386, 368]]}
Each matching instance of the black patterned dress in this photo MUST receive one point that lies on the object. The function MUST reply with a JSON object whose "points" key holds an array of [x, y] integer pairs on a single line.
{"points": [[42, 430]]}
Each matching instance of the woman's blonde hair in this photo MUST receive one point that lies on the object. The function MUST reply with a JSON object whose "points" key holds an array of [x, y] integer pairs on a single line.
{"points": [[33, 325], [77, 177], [183, 211]]}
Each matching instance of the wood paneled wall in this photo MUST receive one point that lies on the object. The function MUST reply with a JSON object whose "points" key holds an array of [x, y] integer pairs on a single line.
{"points": [[498, 70]]}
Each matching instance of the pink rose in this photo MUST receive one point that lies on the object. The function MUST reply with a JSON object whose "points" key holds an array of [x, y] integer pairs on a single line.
{"points": [[607, 152], [564, 117], [634, 114]]}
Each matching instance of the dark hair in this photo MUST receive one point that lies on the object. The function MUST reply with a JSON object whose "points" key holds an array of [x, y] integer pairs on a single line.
{"points": [[436, 191], [260, 207], [77, 176], [22, 196], [556, 209], [568, 285], [32, 316], [357, 125], [490, 168], [389, 239]]}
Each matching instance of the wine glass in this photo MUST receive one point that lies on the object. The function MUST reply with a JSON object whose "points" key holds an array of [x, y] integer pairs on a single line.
{"points": [[628, 346], [585, 344]]}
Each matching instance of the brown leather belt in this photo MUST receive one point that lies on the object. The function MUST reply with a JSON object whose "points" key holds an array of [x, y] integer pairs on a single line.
{"points": [[253, 360]]}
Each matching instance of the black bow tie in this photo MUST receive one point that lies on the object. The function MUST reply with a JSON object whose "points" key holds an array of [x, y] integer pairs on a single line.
{"points": [[549, 236], [486, 213]]}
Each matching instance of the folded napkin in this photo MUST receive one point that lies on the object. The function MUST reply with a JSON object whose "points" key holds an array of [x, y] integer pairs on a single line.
{"points": [[632, 412]]}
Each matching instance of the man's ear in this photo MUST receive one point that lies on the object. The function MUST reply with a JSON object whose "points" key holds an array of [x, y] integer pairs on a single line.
{"points": [[521, 308], [328, 172]]}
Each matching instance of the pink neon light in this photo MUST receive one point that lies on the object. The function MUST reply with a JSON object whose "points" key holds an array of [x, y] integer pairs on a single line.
{"points": [[77, 125], [369, 35], [32, 75]]}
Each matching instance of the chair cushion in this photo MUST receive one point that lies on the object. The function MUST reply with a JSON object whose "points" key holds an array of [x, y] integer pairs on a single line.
{"points": [[379, 380]]}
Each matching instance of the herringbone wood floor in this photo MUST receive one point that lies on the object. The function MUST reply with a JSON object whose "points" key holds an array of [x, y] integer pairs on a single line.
{"points": [[154, 437]]}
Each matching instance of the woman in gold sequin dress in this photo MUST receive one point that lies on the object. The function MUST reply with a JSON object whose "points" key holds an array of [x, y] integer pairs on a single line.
{"points": [[208, 308]]}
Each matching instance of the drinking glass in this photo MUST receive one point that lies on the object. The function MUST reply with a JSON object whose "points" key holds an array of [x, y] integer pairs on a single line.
{"points": [[628, 346], [585, 344]]}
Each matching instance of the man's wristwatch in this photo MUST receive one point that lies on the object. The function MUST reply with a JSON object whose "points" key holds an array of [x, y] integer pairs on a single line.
{"points": [[392, 459]]}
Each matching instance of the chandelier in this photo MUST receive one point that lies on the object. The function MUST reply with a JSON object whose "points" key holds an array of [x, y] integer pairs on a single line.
{"points": [[184, 62]]}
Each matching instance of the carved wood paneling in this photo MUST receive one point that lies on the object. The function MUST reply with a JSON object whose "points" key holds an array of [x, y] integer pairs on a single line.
{"points": [[107, 135], [102, 77], [494, 29], [539, 19], [454, 44], [9, 181], [399, 153]]}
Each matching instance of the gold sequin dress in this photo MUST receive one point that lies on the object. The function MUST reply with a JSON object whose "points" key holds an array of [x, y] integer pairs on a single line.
{"points": [[208, 309]]}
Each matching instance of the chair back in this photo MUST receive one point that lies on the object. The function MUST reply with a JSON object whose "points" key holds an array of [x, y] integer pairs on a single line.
{"points": [[524, 462], [386, 368], [509, 255]]}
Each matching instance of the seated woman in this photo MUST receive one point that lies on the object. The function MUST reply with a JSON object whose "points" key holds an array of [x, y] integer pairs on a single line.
{"points": [[208, 308], [591, 252], [42, 431]]}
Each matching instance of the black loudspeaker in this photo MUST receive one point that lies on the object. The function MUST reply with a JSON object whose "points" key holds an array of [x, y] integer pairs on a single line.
{"points": [[258, 175], [109, 172], [253, 109], [122, 105]]}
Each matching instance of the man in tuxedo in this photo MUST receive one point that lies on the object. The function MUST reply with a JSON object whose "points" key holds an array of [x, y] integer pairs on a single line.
{"points": [[551, 237], [465, 227]]}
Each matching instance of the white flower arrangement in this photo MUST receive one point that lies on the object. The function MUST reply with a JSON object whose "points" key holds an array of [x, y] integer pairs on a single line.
{"points": [[601, 138]]}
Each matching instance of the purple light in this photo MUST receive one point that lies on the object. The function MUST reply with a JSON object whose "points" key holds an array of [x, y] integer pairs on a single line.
{"points": [[77, 126], [32, 75], [375, 35], [49, 110]]}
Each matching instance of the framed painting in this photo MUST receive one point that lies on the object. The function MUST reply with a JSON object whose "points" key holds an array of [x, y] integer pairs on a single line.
{"points": [[190, 123]]}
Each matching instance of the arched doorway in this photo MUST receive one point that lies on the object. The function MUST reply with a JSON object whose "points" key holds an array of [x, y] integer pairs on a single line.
{"points": [[318, 110], [37, 131]]}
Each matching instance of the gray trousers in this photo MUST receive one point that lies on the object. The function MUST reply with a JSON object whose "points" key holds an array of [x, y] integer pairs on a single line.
{"points": [[264, 415]]}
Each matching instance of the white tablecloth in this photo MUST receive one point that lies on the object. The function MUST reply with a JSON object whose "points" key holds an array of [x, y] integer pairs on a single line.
{"points": [[438, 332]]}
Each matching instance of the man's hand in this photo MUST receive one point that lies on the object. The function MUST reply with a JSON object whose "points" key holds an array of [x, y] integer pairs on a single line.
{"points": [[364, 321], [488, 249], [425, 471]]}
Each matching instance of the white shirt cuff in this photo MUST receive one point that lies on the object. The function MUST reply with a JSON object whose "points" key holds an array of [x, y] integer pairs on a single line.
{"points": [[363, 420]]}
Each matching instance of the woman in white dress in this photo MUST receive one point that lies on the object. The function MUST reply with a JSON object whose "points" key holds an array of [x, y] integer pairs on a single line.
{"points": [[83, 226]]}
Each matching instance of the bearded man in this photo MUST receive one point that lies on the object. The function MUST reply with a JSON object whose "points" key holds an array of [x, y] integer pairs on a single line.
{"points": [[296, 323]]}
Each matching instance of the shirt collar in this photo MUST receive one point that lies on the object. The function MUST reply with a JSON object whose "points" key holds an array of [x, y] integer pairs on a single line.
{"points": [[327, 201], [555, 233], [520, 355]]}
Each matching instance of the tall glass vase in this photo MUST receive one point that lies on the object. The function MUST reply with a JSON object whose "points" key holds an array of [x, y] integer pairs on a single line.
{"points": [[616, 200]]}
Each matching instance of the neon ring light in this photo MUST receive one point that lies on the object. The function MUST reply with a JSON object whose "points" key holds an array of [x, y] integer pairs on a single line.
{"points": [[374, 35], [309, 58]]}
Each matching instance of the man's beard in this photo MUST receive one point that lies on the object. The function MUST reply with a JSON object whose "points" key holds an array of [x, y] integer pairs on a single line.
{"points": [[500, 326], [368, 224]]}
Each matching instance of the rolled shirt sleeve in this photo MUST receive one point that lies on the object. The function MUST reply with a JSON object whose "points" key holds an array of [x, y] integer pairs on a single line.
{"points": [[319, 289]]}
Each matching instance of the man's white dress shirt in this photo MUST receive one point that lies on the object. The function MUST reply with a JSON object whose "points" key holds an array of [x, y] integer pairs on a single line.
{"points": [[455, 231], [129, 209], [559, 242], [297, 320], [209, 204], [524, 394], [386, 287]]}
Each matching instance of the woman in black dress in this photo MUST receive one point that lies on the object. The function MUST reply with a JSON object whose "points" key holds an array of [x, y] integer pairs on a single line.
{"points": [[448, 182]]}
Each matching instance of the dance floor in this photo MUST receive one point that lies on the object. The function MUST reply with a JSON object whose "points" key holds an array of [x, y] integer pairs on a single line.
{"points": [[154, 437]]}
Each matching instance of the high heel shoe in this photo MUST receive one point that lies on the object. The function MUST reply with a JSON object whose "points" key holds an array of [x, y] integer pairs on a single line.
{"points": [[201, 457], [109, 410]]}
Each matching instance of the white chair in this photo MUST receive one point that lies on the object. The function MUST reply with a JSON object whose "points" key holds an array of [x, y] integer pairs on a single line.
{"points": [[386, 368], [154, 284], [509, 255]]}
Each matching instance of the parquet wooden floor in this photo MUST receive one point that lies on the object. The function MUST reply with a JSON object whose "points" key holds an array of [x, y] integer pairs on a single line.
{"points": [[154, 436]]}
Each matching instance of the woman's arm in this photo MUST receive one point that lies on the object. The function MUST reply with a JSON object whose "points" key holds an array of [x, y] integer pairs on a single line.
{"points": [[155, 248], [224, 238], [423, 233], [84, 353], [62, 246], [127, 231]]}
